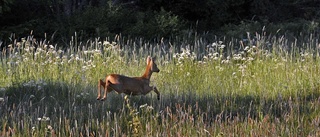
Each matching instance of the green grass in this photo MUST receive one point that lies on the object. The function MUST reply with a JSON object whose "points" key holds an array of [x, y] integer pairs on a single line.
{"points": [[232, 88]]}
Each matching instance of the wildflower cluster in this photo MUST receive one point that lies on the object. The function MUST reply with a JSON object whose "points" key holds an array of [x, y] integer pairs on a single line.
{"points": [[186, 55], [146, 107], [43, 128], [44, 118], [29, 58], [214, 51]]}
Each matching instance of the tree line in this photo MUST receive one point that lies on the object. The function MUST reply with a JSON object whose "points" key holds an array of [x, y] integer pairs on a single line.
{"points": [[145, 18]]}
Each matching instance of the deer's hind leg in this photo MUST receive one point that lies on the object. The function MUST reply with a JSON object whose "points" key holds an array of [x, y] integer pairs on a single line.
{"points": [[103, 84], [107, 88]]}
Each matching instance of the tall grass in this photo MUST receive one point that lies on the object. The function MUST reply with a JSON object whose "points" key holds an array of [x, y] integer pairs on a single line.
{"points": [[259, 86]]}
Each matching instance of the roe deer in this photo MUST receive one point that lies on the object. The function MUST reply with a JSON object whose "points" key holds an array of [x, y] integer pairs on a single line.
{"points": [[130, 85]]}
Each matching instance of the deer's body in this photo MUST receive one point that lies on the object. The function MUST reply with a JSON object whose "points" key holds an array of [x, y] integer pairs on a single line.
{"points": [[129, 85]]}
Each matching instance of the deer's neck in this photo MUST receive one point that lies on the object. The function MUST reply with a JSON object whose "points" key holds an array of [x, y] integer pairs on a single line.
{"points": [[147, 74]]}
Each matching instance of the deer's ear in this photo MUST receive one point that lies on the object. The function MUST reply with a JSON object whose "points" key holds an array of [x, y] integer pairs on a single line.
{"points": [[148, 59]]}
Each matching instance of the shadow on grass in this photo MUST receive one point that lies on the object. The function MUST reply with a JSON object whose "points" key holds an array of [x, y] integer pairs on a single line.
{"points": [[77, 105], [50, 98]]}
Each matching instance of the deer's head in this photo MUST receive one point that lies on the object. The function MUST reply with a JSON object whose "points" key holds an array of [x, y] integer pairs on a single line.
{"points": [[151, 63]]}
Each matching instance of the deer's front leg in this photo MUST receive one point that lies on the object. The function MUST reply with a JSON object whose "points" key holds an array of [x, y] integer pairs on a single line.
{"points": [[156, 90]]}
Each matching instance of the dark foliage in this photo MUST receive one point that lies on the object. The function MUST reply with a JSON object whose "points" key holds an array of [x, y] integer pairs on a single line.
{"points": [[151, 19]]}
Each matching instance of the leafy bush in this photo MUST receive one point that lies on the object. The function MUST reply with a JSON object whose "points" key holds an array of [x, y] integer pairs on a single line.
{"points": [[156, 19], [151, 24]]}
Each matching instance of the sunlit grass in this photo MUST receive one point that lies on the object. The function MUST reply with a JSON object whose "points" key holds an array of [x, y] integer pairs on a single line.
{"points": [[219, 88]]}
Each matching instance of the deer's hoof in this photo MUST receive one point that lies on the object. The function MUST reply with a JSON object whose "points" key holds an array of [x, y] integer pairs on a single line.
{"points": [[158, 97], [98, 98], [102, 99]]}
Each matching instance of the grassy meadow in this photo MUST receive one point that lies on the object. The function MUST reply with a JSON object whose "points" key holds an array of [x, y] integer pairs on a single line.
{"points": [[260, 86]]}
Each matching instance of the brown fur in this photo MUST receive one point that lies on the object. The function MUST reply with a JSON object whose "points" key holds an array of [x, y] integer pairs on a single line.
{"points": [[130, 85]]}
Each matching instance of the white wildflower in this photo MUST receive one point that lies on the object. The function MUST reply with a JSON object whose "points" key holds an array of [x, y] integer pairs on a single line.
{"points": [[234, 73], [216, 54], [237, 57], [188, 73], [70, 60], [180, 58], [250, 59], [144, 105], [97, 51], [149, 108], [51, 46], [49, 127], [222, 46], [225, 61], [31, 96], [60, 51], [45, 118], [39, 49], [26, 49], [84, 68], [215, 58], [214, 44], [242, 67], [202, 62], [105, 43], [246, 48]]}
